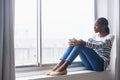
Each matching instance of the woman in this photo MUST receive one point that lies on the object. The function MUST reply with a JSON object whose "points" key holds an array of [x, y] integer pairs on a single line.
{"points": [[95, 53]]}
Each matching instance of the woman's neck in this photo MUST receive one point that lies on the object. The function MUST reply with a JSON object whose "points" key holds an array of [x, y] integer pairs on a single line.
{"points": [[103, 34]]}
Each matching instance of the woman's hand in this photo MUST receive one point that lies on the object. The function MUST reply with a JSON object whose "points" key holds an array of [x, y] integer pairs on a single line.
{"points": [[73, 42]]}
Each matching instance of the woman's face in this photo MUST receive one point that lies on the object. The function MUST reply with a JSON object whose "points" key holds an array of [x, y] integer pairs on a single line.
{"points": [[97, 27]]}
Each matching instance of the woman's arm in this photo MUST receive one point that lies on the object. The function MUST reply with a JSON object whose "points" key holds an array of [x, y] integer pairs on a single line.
{"points": [[107, 43]]}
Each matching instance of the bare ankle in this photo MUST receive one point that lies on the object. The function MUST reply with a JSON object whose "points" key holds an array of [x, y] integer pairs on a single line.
{"points": [[56, 67], [61, 69]]}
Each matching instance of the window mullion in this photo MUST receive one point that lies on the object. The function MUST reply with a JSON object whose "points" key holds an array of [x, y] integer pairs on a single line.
{"points": [[39, 40]]}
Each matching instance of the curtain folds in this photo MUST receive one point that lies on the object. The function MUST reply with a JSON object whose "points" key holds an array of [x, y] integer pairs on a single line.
{"points": [[7, 67]]}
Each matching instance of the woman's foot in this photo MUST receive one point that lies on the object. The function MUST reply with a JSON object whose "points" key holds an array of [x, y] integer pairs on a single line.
{"points": [[55, 73], [56, 67], [63, 66], [61, 70]]}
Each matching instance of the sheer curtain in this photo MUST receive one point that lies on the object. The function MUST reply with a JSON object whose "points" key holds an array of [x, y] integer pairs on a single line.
{"points": [[7, 67]]}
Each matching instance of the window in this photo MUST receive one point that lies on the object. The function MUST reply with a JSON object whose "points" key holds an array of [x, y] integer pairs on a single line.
{"points": [[62, 20], [25, 32], [43, 27]]}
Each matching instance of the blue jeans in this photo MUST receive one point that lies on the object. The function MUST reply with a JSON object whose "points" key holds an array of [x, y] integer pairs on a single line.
{"points": [[89, 57]]}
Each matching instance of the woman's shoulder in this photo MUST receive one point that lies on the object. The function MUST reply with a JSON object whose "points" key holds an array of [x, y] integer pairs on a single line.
{"points": [[110, 36]]}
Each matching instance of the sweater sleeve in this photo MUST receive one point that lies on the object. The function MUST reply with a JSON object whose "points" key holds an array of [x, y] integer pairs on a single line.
{"points": [[107, 43]]}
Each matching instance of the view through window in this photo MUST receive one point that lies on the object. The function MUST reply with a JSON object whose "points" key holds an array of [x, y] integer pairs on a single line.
{"points": [[59, 21], [62, 20], [25, 32]]}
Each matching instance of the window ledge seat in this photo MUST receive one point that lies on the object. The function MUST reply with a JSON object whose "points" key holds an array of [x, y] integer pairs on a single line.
{"points": [[73, 74]]}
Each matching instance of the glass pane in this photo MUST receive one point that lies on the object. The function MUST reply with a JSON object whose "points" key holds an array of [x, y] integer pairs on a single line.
{"points": [[25, 32], [62, 20]]}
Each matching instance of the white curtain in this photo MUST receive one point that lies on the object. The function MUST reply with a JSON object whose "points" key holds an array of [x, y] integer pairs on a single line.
{"points": [[7, 67]]}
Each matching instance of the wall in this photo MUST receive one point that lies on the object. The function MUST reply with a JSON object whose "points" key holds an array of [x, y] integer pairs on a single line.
{"points": [[111, 17], [101, 8]]}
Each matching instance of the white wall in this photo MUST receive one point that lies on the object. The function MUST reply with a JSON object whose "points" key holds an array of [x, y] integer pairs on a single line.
{"points": [[102, 8], [112, 16], [108, 9]]}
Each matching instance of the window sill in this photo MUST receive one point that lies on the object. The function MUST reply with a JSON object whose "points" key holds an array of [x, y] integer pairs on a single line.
{"points": [[36, 72], [78, 72]]}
